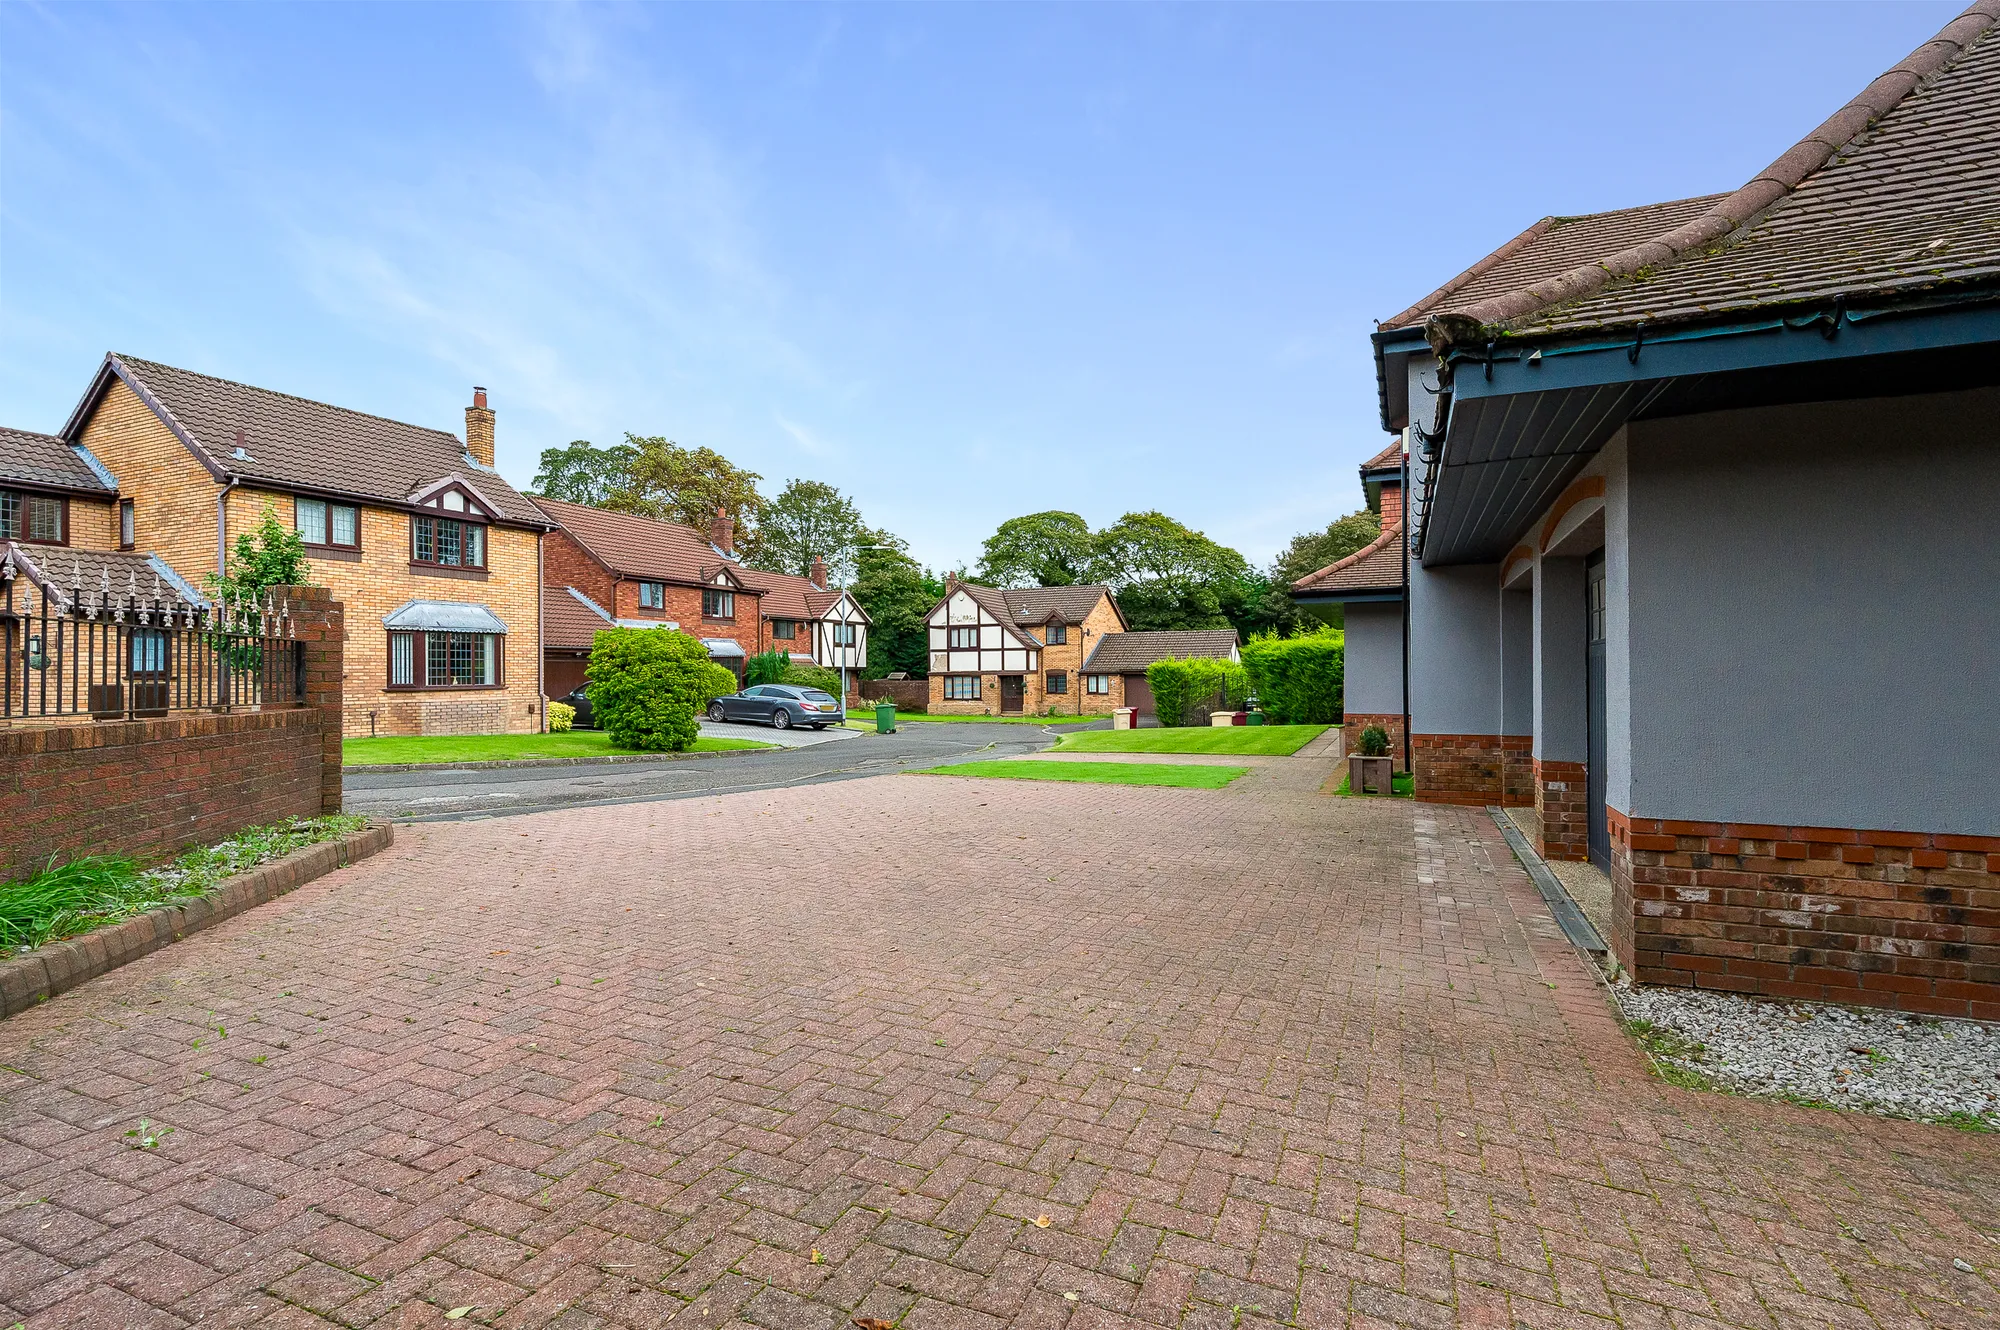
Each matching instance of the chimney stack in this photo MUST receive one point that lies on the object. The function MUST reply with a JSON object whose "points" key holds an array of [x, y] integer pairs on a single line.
{"points": [[950, 583], [1392, 503], [479, 429], [819, 572], [722, 533]]}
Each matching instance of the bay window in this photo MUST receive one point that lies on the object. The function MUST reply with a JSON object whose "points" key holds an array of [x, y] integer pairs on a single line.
{"points": [[441, 659]]}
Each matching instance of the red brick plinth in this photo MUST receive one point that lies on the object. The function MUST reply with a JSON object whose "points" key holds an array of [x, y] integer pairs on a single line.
{"points": [[1562, 804], [1909, 920], [1473, 769], [1354, 722]]}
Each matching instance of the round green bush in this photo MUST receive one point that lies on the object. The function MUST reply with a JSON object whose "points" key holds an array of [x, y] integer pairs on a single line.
{"points": [[648, 686]]}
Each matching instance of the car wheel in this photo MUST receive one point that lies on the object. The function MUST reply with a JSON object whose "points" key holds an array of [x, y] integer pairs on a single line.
{"points": [[715, 712], [781, 719]]}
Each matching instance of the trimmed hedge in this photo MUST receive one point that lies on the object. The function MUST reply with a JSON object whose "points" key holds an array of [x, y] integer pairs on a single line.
{"points": [[647, 685], [1298, 680], [1185, 690], [812, 676]]}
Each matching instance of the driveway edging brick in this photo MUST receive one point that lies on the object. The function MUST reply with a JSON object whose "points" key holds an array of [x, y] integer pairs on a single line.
{"points": [[26, 981]]}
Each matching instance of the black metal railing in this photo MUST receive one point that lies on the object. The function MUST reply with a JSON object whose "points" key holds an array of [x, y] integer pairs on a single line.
{"points": [[117, 656]]}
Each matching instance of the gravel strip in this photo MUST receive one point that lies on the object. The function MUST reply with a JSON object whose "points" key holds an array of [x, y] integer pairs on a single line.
{"points": [[1882, 1062]]}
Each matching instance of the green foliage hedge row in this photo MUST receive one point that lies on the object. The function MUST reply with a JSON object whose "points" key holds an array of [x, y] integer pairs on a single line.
{"points": [[1298, 680], [812, 676], [647, 685], [1184, 690]]}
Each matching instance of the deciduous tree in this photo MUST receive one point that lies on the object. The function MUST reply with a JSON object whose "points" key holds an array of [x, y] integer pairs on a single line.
{"points": [[1168, 576], [1054, 548]]}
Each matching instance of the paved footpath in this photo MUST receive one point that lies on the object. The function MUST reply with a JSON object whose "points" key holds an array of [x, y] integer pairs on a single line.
{"points": [[943, 1052]]}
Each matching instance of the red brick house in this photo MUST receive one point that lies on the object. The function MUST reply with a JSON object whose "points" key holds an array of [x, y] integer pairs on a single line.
{"points": [[603, 569]]}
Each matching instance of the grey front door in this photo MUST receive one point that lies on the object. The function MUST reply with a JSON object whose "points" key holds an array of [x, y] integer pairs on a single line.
{"points": [[1600, 830]]}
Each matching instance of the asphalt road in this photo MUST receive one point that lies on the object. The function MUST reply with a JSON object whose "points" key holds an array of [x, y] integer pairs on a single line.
{"points": [[433, 795]]}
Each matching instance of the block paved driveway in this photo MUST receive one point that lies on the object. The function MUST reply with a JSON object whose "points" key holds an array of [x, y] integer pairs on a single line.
{"points": [[943, 1052]]}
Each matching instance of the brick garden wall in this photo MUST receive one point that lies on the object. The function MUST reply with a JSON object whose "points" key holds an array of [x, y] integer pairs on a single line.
{"points": [[907, 694], [1880, 918], [151, 788]]}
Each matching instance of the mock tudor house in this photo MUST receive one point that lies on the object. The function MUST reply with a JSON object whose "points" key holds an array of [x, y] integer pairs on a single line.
{"points": [[607, 569], [432, 554], [1017, 651], [1704, 542], [1368, 584]]}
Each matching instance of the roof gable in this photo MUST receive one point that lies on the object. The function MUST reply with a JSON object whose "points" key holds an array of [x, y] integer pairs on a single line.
{"points": [[1131, 653], [294, 443], [1376, 566]]}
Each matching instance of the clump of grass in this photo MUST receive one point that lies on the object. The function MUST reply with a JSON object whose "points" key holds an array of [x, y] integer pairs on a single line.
{"points": [[64, 900], [1673, 1055]]}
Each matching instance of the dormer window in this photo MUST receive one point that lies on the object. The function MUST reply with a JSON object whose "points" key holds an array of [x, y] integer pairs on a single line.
{"points": [[455, 541], [1057, 635], [717, 604], [445, 542]]}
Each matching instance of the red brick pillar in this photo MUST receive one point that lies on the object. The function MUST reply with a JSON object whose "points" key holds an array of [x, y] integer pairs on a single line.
{"points": [[319, 621], [1562, 804]]}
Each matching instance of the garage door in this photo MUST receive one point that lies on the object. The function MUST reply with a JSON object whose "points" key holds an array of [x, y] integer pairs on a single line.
{"points": [[1139, 693]]}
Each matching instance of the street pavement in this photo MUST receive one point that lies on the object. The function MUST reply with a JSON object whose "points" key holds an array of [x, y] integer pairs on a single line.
{"points": [[936, 1052], [433, 793]]}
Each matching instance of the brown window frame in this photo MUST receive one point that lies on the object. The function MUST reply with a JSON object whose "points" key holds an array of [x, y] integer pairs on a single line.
{"points": [[1058, 635], [330, 543], [784, 630], [1097, 685], [420, 662], [23, 496], [852, 633], [128, 524], [485, 543], [1057, 682], [951, 642], [660, 601], [978, 687], [718, 594]]}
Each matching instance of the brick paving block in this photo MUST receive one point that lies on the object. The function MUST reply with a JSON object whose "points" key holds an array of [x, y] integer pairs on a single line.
{"points": [[1323, 1130]]}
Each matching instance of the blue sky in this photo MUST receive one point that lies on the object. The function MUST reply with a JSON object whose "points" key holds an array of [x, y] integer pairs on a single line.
{"points": [[964, 262]]}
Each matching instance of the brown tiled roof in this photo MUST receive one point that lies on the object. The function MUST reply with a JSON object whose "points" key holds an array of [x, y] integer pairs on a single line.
{"points": [[61, 569], [1551, 246], [1130, 653], [1039, 604], [994, 601], [645, 547], [295, 443], [1388, 457], [634, 546], [1376, 566], [47, 462], [1893, 194], [570, 619]]}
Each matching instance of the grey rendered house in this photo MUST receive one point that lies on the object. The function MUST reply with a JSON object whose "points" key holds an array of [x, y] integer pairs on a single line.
{"points": [[1704, 550], [1369, 585]]}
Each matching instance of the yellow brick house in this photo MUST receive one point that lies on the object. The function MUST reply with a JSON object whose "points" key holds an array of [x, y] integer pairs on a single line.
{"points": [[435, 557]]}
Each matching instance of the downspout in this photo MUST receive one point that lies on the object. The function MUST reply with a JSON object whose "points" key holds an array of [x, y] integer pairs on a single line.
{"points": [[222, 527], [1404, 541], [541, 647]]}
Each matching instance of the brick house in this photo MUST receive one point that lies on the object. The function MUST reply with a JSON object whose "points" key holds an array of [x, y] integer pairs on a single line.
{"points": [[1368, 584], [606, 569], [64, 530], [1116, 670], [1704, 530], [1046, 651], [433, 555]]}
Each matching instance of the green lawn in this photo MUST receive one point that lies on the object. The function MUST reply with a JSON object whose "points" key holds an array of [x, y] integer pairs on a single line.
{"points": [[1242, 740], [1097, 773], [503, 747]]}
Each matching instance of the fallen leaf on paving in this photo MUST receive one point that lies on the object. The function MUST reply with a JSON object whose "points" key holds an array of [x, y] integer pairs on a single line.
{"points": [[817, 1257], [457, 1313], [496, 953], [1070, 1297], [1042, 1221], [874, 1323]]}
